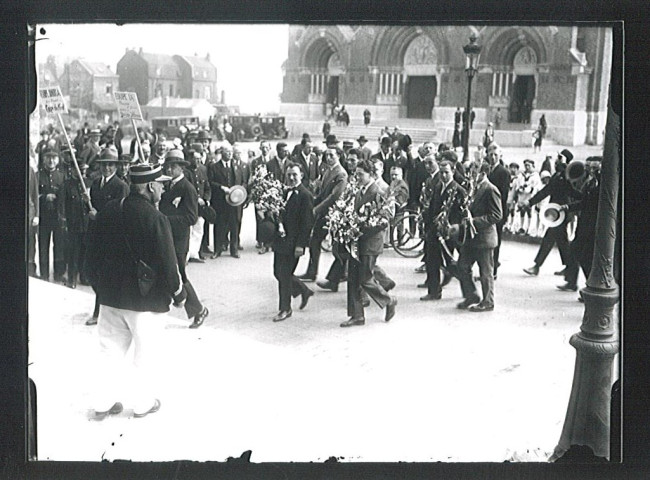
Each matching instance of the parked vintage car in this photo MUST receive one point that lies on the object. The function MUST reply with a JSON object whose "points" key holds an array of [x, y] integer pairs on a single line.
{"points": [[170, 126], [257, 127]]}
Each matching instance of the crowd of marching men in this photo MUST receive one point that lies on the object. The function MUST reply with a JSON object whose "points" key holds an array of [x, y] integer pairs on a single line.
{"points": [[62, 204]]}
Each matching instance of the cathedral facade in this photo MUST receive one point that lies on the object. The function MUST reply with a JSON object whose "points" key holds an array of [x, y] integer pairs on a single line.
{"points": [[418, 72]]}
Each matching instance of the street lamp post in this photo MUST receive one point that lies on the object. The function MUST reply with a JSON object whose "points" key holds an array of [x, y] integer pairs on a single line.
{"points": [[472, 52], [587, 419]]}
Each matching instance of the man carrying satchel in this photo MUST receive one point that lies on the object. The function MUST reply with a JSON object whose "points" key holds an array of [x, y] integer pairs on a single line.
{"points": [[124, 230]]}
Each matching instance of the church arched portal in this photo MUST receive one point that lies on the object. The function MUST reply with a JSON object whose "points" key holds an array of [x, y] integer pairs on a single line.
{"points": [[524, 87], [420, 68]]}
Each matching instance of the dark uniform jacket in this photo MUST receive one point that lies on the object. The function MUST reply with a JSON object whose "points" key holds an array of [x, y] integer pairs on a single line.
{"points": [[89, 154], [199, 178], [33, 195], [180, 203], [297, 220], [111, 266], [588, 208], [51, 213], [76, 209], [486, 213]]}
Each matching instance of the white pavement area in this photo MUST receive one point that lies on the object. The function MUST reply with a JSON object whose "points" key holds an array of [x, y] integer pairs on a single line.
{"points": [[434, 384]]}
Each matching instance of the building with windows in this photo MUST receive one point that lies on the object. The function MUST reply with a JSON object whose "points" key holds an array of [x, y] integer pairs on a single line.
{"points": [[417, 72], [90, 87], [152, 75]]}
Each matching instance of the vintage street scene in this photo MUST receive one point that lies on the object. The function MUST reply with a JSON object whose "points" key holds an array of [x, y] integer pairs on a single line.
{"points": [[373, 243]]}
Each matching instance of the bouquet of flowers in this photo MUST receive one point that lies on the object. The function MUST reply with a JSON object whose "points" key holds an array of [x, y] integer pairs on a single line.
{"points": [[342, 220], [267, 194]]}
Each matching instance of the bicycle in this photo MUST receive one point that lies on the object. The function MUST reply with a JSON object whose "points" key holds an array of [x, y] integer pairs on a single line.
{"points": [[407, 232]]}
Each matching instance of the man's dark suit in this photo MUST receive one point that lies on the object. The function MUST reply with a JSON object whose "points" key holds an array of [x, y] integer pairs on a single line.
{"points": [[370, 246], [335, 179], [227, 215], [486, 213], [111, 267], [297, 220], [561, 192], [114, 189], [180, 204], [500, 178], [388, 160], [433, 256], [309, 167], [582, 246]]}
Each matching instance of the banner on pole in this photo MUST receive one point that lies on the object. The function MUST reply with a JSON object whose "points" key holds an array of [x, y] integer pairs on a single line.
{"points": [[127, 105], [52, 100]]}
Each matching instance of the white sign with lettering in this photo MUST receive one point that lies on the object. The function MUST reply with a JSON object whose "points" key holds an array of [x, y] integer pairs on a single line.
{"points": [[52, 100], [127, 105]]}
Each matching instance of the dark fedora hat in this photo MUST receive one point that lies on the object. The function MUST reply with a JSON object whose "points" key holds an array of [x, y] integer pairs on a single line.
{"points": [[331, 140], [203, 135], [108, 154], [175, 155], [386, 141], [567, 155], [362, 139], [125, 158]]}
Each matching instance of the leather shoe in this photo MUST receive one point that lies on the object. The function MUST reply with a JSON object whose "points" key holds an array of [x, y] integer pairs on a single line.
{"points": [[234, 255], [305, 298], [390, 285], [480, 307], [216, 255], [327, 285], [116, 409], [534, 270], [561, 272], [282, 316], [91, 321], [239, 247], [307, 277], [446, 279], [196, 260], [465, 304], [568, 287], [421, 269], [154, 409], [353, 322], [390, 309], [72, 284], [430, 296], [422, 285], [200, 318], [263, 250], [365, 303], [206, 251], [202, 256]]}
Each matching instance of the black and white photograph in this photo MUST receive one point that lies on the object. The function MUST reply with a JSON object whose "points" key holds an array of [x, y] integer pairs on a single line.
{"points": [[310, 242]]}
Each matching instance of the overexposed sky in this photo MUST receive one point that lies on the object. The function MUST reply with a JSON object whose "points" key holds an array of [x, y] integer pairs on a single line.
{"points": [[248, 57]]}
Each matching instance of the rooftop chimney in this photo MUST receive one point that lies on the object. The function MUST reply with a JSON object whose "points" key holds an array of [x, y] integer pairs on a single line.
{"points": [[140, 51]]}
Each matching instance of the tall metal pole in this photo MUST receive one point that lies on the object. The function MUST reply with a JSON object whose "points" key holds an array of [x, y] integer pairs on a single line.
{"points": [[587, 419], [470, 77]]}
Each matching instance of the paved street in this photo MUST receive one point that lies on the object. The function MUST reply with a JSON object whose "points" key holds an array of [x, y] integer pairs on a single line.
{"points": [[434, 384]]}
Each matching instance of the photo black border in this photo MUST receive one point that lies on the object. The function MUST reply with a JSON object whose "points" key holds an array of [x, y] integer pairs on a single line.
{"points": [[13, 287]]}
